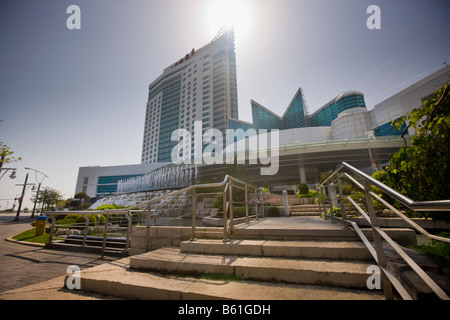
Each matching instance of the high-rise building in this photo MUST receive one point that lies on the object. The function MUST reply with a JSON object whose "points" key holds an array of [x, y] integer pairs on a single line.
{"points": [[201, 86]]}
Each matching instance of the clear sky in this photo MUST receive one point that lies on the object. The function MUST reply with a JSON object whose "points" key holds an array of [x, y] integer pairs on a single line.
{"points": [[72, 98]]}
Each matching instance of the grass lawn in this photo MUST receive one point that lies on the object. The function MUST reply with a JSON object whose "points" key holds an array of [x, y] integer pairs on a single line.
{"points": [[29, 236]]}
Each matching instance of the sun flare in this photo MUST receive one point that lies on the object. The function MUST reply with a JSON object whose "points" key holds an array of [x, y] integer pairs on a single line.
{"points": [[229, 13]]}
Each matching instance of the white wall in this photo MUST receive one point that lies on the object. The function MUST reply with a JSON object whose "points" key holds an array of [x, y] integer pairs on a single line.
{"points": [[353, 123], [92, 173]]}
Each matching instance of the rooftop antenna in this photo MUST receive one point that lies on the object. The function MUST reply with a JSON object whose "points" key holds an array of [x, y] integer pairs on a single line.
{"points": [[223, 31], [305, 105]]}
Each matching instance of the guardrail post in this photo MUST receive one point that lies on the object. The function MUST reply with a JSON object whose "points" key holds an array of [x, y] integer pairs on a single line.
{"points": [[105, 231], [263, 197], [323, 203], [147, 231], [129, 229], [386, 284], [330, 187], [231, 205], [194, 200], [256, 204], [319, 202], [341, 200], [86, 226], [52, 228], [246, 204], [225, 214]]}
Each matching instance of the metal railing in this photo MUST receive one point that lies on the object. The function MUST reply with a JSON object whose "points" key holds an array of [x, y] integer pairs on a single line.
{"points": [[228, 184], [118, 223], [94, 228], [388, 279]]}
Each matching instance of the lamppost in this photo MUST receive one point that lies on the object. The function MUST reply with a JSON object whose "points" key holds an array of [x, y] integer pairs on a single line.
{"points": [[39, 187], [22, 196]]}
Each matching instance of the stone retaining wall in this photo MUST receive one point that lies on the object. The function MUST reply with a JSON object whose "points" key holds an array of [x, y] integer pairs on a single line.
{"points": [[163, 236]]}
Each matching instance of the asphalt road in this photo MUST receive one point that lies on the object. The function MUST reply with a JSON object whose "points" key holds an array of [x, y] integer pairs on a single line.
{"points": [[22, 265]]}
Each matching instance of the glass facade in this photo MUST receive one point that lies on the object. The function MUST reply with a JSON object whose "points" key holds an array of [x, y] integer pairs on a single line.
{"points": [[350, 102], [325, 115], [264, 119], [295, 114], [238, 124], [108, 184], [389, 129], [170, 111]]}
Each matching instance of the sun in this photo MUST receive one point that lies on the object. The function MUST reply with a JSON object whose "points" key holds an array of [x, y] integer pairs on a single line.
{"points": [[229, 13]]}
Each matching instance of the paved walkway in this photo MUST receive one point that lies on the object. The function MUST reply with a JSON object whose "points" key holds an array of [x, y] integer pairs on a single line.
{"points": [[32, 272], [24, 265]]}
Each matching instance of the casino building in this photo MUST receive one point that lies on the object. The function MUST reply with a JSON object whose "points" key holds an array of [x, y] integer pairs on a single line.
{"points": [[202, 86]]}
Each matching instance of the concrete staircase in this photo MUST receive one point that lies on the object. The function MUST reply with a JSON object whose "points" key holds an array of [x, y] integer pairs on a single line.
{"points": [[340, 264], [305, 210], [257, 263]]}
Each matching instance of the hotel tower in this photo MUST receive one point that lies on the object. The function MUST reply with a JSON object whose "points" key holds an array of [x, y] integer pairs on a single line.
{"points": [[200, 86]]}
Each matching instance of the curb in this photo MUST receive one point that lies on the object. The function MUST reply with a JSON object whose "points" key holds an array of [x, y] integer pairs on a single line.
{"points": [[32, 244]]}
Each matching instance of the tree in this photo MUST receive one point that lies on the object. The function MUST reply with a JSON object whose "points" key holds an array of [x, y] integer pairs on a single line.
{"points": [[422, 171], [49, 197], [81, 195], [6, 154]]}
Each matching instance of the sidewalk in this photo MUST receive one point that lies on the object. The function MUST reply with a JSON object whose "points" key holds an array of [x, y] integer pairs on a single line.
{"points": [[33, 272]]}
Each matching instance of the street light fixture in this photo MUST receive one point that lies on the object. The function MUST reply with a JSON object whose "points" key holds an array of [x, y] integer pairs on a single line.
{"points": [[39, 187], [12, 175]]}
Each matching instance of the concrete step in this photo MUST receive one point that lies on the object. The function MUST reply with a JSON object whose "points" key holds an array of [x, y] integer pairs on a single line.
{"points": [[117, 279], [350, 250], [347, 274], [305, 210], [109, 251], [304, 214], [338, 234], [305, 206]]}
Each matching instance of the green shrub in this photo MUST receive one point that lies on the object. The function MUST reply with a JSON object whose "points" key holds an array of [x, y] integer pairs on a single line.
{"points": [[110, 207], [303, 189], [347, 189], [336, 212], [69, 219], [310, 194], [273, 211], [438, 251], [218, 202]]}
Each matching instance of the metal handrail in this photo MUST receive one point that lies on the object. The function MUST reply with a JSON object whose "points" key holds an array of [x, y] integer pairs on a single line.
{"points": [[379, 234], [440, 205]]}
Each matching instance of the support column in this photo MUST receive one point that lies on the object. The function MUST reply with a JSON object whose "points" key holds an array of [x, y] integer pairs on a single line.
{"points": [[302, 174]]}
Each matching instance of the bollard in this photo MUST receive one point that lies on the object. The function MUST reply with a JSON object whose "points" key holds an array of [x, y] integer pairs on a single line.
{"points": [[40, 225], [333, 195], [285, 203]]}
